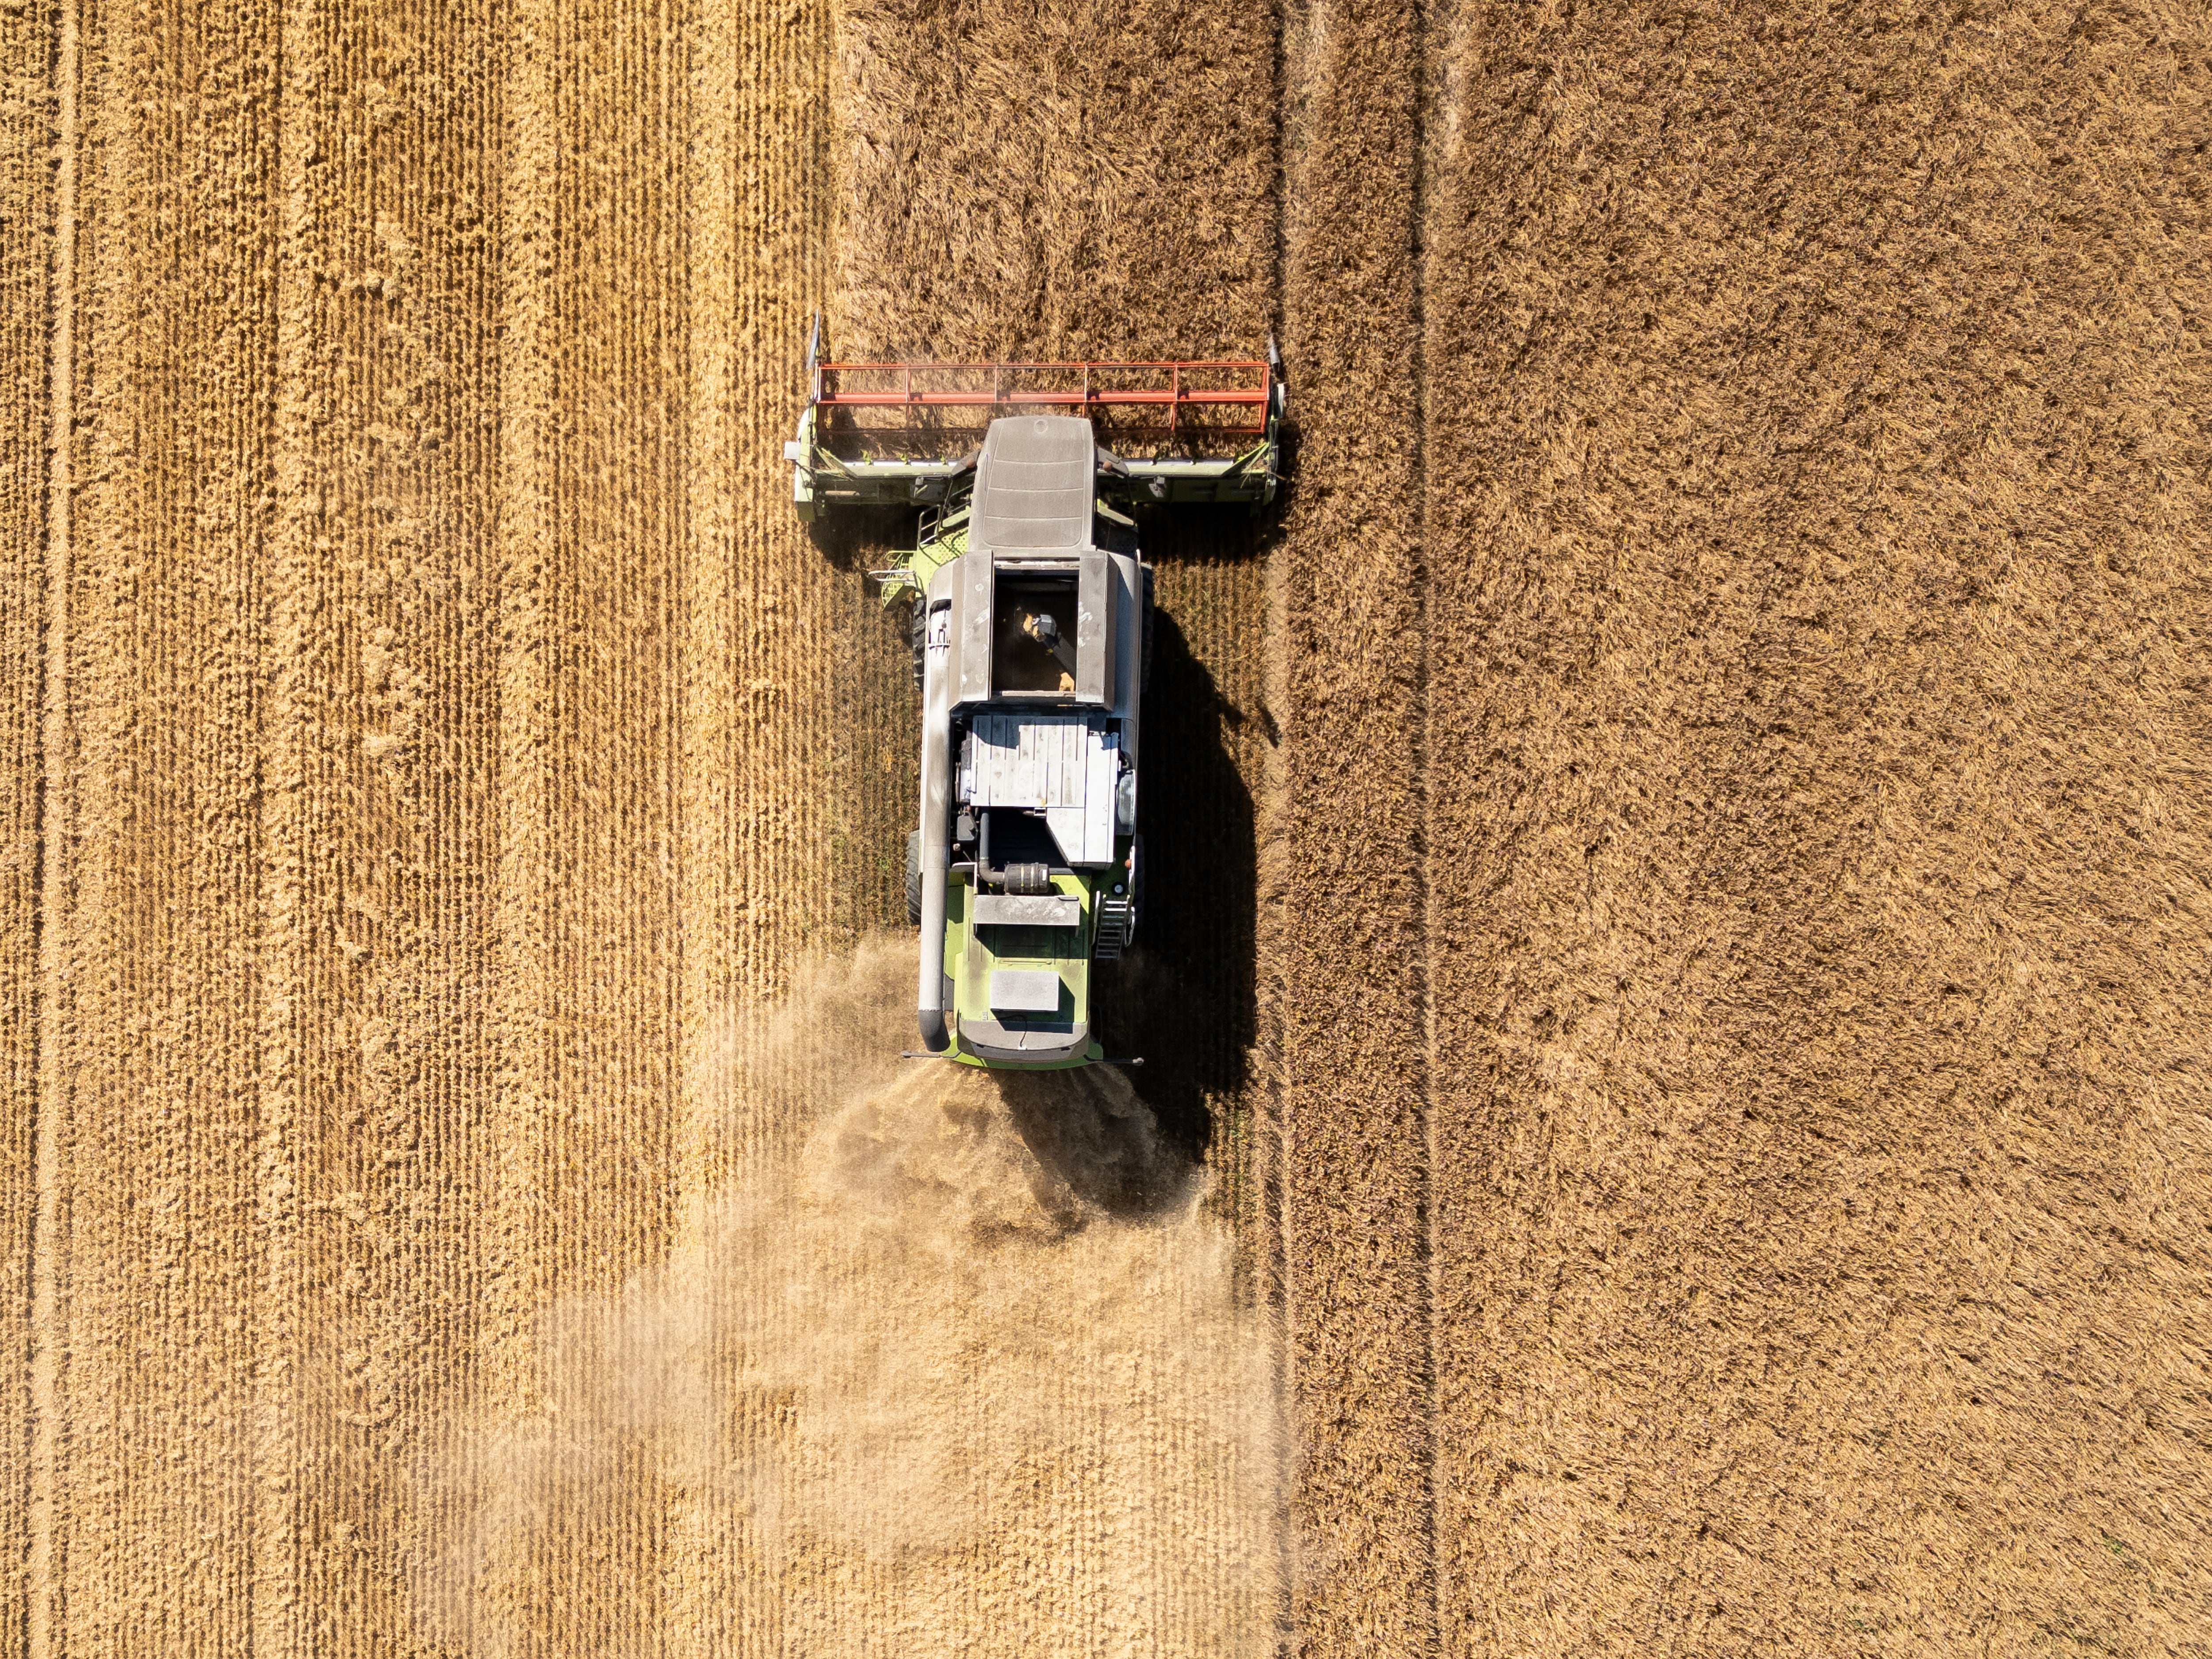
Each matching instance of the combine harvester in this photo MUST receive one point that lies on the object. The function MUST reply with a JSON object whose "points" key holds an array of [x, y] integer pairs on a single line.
{"points": [[1031, 624]]}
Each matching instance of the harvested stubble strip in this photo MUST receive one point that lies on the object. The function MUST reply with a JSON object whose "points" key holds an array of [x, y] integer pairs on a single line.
{"points": [[378, 742], [313, 1201], [27, 210], [1818, 743], [153, 908]]}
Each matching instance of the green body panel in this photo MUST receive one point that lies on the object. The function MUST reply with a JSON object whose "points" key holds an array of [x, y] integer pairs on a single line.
{"points": [[970, 957], [941, 542]]}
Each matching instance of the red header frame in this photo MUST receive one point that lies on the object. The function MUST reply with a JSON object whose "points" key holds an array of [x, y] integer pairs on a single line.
{"points": [[1225, 386]]}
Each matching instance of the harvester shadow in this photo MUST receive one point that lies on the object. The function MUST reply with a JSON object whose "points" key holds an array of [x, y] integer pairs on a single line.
{"points": [[864, 539], [1184, 999]]}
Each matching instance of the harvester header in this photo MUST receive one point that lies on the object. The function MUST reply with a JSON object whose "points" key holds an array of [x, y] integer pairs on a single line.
{"points": [[898, 435]]}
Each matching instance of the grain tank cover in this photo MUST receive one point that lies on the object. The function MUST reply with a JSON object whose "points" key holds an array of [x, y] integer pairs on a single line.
{"points": [[1035, 486], [1066, 766]]}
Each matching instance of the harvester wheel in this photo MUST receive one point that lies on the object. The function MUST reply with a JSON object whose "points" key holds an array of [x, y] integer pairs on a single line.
{"points": [[913, 876], [1118, 912]]}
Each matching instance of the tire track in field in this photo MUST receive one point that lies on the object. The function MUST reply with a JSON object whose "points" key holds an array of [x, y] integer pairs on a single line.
{"points": [[38, 63]]}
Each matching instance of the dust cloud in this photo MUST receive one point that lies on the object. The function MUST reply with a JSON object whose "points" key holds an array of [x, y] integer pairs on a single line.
{"points": [[951, 1358]]}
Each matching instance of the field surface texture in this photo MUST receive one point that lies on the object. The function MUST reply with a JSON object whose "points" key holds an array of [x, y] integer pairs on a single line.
{"points": [[1677, 1117]]}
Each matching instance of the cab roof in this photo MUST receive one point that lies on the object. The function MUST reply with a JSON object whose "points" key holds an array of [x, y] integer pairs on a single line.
{"points": [[1035, 486]]}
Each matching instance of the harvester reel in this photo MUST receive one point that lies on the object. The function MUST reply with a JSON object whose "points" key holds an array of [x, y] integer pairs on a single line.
{"points": [[903, 434]]}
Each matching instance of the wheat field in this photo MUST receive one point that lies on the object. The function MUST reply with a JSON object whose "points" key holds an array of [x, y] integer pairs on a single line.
{"points": [[1675, 1117]]}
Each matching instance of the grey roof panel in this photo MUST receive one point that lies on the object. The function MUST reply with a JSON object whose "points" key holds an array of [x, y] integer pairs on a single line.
{"points": [[1024, 991], [1027, 910], [1035, 485]]}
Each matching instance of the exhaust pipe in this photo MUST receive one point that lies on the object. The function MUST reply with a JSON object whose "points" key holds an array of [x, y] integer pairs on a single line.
{"points": [[936, 768]]}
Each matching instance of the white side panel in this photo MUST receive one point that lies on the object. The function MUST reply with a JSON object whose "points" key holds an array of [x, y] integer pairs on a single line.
{"points": [[1105, 766], [1027, 910], [972, 605], [1065, 824], [1097, 608]]}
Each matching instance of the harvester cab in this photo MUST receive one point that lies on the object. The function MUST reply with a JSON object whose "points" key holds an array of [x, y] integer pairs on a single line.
{"points": [[1030, 620]]}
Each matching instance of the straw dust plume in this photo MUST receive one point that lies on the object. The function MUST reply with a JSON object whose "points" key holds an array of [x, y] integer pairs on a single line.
{"points": [[960, 1361]]}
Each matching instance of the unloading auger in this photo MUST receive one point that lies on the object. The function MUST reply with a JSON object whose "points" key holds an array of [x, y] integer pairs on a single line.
{"points": [[1031, 622]]}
